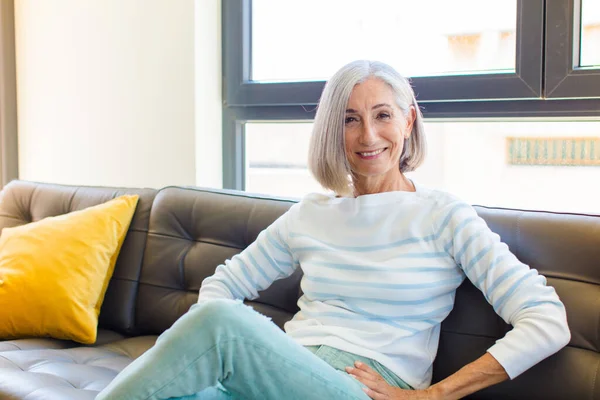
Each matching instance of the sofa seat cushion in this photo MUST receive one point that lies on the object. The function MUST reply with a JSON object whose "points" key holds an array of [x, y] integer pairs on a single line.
{"points": [[68, 373], [104, 336]]}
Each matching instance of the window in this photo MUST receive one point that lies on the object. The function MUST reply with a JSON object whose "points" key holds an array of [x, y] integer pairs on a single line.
{"points": [[266, 70], [496, 85]]}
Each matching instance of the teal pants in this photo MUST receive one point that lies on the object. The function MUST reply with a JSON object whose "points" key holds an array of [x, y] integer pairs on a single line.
{"points": [[223, 349]]}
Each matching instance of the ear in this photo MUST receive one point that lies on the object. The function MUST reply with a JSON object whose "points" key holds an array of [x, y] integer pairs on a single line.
{"points": [[411, 117]]}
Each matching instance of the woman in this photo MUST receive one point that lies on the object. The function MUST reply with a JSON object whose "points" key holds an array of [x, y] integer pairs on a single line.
{"points": [[381, 258]]}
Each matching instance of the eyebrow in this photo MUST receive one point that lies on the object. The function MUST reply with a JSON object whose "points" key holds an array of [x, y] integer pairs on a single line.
{"points": [[353, 111]]}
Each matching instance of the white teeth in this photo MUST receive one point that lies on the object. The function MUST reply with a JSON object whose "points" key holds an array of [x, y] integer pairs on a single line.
{"points": [[372, 153]]}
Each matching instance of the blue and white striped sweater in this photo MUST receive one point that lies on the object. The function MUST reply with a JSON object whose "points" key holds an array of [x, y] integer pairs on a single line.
{"points": [[380, 275]]}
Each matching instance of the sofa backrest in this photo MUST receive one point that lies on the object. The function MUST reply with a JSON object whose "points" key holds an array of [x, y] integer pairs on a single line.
{"points": [[22, 202], [191, 232], [180, 235]]}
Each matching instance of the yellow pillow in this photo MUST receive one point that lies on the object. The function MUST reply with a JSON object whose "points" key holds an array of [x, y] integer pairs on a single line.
{"points": [[54, 272]]}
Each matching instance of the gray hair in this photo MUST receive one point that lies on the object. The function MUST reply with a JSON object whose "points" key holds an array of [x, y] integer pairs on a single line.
{"points": [[327, 156]]}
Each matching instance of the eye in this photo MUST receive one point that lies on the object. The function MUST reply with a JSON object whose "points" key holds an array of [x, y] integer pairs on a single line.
{"points": [[383, 115], [349, 120]]}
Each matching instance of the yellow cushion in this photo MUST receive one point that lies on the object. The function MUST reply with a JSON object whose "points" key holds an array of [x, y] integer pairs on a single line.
{"points": [[54, 272]]}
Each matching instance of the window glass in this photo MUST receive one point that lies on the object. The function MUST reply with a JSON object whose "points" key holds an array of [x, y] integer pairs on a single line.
{"points": [[276, 159], [535, 165], [311, 39], [590, 33]]}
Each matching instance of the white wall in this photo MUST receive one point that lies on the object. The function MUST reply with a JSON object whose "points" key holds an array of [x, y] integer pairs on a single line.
{"points": [[106, 91], [209, 106]]}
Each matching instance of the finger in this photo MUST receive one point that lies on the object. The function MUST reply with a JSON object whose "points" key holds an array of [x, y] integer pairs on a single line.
{"points": [[360, 372], [364, 367]]}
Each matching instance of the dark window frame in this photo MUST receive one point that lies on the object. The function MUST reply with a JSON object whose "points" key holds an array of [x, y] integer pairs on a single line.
{"points": [[563, 76], [525, 93], [524, 83]]}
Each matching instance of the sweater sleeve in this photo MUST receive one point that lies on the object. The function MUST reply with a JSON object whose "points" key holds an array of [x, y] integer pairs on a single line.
{"points": [[264, 261], [518, 294]]}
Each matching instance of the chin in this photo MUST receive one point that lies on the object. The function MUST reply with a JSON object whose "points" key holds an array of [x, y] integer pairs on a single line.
{"points": [[370, 174]]}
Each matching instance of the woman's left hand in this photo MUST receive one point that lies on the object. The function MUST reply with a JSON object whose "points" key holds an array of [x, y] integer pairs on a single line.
{"points": [[378, 388]]}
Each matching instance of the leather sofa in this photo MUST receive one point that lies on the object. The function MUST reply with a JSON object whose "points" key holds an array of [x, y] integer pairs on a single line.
{"points": [[179, 235]]}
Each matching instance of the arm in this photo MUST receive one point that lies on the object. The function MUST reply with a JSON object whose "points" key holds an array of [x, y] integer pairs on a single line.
{"points": [[479, 374], [254, 269], [518, 294]]}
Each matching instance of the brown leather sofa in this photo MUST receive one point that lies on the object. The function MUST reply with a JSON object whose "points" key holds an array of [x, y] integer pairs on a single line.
{"points": [[179, 235]]}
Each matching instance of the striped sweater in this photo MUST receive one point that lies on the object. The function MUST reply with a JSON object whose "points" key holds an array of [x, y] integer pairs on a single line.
{"points": [[380, 275]]}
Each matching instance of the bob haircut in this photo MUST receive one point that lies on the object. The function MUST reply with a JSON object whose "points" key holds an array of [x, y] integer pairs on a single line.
{"points": [[327, 155]]}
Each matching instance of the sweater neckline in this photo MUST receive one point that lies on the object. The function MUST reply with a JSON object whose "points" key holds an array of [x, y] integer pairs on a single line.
{"points": [[377, 198]]}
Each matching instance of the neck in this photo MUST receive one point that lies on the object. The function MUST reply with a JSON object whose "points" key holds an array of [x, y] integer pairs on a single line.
{"points": [[381, 184]]}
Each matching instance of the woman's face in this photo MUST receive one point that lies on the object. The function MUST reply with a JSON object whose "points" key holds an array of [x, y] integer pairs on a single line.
{"points": [[375, 130]]}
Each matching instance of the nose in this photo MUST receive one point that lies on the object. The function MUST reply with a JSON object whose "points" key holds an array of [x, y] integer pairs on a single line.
{"points": [[368, 134]]}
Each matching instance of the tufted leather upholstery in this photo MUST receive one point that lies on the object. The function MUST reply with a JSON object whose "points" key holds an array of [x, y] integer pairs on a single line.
{"points": [[179, 235], [190, 233], [70, 373]]}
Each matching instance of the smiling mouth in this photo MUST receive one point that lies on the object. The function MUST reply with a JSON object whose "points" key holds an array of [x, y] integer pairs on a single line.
{"points": [[371, 154]]}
